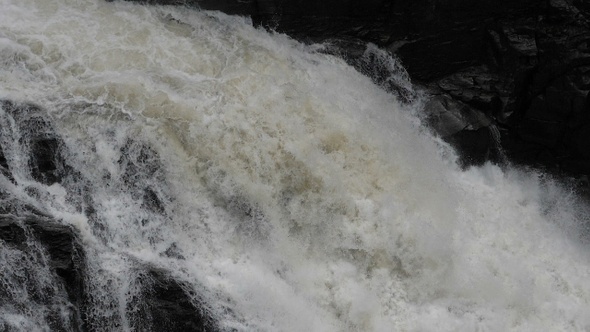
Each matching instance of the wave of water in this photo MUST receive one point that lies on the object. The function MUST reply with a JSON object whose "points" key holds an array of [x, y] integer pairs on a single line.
{"points": [[295, 194]]}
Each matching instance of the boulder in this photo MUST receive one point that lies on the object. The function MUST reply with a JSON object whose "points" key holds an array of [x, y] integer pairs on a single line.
{"points": [[36, 136], [50, 277], [169, 305], [45, 262]]}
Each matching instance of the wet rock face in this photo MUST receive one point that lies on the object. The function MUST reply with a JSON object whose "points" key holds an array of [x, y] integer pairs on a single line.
{"points": [[28, 129], [50, 274], [547, 111], [167, 306], [43, 259], [51, 280], [43, 278]]}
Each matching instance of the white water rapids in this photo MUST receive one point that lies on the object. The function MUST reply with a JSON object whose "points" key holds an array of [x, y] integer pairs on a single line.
{"points": [[296, 194]]}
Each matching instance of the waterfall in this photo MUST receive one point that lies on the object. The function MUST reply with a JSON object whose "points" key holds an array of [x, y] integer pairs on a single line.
{"points": [[278, 187]]}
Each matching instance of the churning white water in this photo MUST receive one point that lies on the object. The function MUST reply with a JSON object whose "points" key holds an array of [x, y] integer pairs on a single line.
{"points": [[295, 194]]}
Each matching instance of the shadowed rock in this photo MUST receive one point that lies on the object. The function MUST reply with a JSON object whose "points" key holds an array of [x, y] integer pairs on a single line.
{"points": [[47, 256], [52, 269], [38, 138], [166, 304]]}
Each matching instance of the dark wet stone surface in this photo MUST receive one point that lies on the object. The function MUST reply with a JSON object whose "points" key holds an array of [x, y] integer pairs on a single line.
{"points": [[169, 305], [47, 245], [51, 248]]}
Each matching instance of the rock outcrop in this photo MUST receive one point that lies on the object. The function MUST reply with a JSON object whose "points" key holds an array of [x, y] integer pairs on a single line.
{"points": [[50, 276], [44, 263], [167, 307]]}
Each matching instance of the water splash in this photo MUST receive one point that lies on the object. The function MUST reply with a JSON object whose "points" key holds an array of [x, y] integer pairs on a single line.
{"points": [[289, 191]]}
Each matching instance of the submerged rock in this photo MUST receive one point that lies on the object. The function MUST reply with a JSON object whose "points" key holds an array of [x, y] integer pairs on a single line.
{"points": [[52, 280], [44, 279], [167, 305], [50, 272], [32, 132]]}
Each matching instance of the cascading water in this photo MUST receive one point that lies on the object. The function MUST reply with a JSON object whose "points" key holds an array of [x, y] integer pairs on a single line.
{"points": [[288, 191]]}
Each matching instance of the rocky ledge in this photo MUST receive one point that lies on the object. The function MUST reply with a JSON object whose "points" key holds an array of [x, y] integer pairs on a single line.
{"points": [[44, 263]]}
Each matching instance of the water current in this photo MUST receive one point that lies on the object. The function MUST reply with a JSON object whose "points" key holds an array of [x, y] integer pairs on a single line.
{"points": [[294, 193]]}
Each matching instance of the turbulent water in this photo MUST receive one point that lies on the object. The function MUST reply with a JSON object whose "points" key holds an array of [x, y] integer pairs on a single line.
{"points": [[293, 193]]}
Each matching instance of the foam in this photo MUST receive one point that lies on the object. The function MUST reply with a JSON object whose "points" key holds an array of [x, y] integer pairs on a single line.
{"points": [[300, 195]]}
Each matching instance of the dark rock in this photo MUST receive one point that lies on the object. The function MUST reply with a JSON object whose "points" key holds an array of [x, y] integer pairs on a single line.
{"points": [[38, 137], [4, 166], [142, 173], [51, 259], [65, 253], [11, 232], [152, 202], [44, 160], [173, 252], [167, 305], [477, 146], [34, 237], [476, 87], [447, 116]]}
